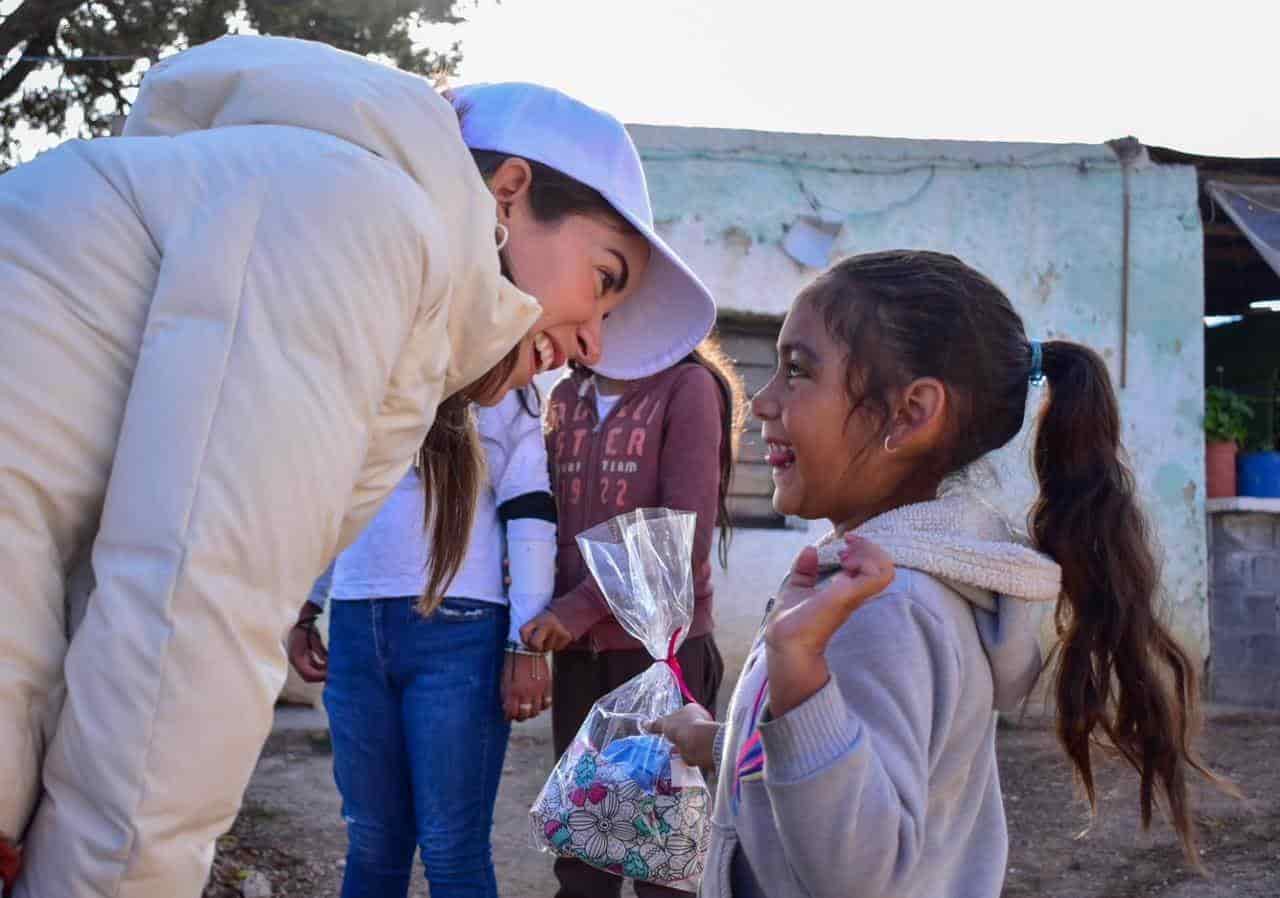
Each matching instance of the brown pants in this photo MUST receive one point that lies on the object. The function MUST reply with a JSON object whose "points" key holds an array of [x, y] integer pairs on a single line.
{"points": [[582, 678]]}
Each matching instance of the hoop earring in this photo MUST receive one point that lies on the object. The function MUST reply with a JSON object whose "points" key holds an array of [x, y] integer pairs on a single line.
{"points": [[886, 445], [504, 234]]}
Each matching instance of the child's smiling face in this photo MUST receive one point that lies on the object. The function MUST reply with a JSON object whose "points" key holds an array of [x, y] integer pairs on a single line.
{"points": [[835, 456], [814, 441]]}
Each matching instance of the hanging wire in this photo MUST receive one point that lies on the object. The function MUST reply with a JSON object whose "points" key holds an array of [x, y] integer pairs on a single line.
{"points": [[896, 204], [930, 165], [923, 164], [69, 59]]}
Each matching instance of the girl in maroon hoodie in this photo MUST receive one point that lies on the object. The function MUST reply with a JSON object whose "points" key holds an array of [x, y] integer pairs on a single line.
{"points": [[665, 441]]}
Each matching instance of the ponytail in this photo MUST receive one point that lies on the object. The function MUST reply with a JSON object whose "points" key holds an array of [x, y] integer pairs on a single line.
{"points": [[1120, 671], [451, 464]]}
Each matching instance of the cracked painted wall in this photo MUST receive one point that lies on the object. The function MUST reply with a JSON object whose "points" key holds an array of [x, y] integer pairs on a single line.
{"points": [[1042, 220]]}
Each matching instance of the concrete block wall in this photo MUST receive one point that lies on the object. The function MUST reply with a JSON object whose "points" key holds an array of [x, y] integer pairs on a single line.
{"points": [[1244, 606]]}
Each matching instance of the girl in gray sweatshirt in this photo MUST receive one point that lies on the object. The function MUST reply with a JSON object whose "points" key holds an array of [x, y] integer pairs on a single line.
{"points": [[858, 758]]}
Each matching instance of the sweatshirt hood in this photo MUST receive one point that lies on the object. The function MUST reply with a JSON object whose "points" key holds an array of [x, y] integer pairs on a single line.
{"points": [[251, 80], [965, 543]]}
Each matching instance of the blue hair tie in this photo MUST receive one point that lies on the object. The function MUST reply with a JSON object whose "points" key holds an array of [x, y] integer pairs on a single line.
{"points": [[1037, 363]]}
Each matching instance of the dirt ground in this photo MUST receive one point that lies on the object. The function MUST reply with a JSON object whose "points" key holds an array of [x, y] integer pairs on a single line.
{"points": [[290, 828]]}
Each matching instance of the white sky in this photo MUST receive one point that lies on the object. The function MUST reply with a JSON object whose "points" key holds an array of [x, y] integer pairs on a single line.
{"points": [[1200, 77], [1196, 76]]}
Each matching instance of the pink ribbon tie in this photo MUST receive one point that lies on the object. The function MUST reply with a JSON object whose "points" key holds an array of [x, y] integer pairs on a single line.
{"points": [[674, 663]]}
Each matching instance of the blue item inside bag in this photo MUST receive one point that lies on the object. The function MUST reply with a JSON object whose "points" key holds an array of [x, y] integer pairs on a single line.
{"points": [[648, 758]]}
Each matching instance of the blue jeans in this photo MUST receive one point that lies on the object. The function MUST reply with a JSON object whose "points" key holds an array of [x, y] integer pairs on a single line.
{"points": [[419, 739]]}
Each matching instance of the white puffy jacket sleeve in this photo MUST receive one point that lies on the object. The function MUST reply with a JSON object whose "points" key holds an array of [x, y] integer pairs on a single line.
{"points": [[286, 373]]}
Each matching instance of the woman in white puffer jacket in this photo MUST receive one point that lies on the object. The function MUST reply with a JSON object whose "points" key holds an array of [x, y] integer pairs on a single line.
{"points": [[226, 333]]}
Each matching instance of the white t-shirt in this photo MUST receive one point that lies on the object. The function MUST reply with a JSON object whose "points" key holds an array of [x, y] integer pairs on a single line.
{"points": [[390, 557], [605, 404]]}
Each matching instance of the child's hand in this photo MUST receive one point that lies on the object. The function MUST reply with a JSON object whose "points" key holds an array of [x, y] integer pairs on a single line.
{"points": [[307, 652], [526, 686], [807, 616], [693, 731], [545, 633]]}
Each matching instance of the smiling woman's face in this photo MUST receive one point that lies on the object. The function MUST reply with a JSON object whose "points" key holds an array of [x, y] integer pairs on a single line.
{"points": [[580, 267]]}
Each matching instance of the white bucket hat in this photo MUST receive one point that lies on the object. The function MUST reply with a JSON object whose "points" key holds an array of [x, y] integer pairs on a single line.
{"points": [[670, 312]]}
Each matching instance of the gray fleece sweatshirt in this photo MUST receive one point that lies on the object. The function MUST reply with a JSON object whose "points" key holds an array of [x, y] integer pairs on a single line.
{"points": [[884, 783]]}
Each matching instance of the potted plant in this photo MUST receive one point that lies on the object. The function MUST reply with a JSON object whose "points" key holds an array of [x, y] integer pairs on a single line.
{"points": [[1226, 425], [1258, 469]]}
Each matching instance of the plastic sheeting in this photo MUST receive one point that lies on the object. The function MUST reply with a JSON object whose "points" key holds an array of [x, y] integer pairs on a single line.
{"points": [[1255, 208]]}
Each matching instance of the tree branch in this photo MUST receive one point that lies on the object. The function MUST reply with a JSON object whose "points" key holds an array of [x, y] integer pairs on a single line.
{"points": [[18, 73], [34, 17], [109, 27]]}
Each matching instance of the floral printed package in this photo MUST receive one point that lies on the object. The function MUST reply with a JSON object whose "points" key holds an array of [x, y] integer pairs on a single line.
{"points": [[610, 820], [620, 798]]}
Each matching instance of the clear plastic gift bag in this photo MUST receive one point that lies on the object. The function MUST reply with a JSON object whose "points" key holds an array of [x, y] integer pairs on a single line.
{"points": [[620, 798]]}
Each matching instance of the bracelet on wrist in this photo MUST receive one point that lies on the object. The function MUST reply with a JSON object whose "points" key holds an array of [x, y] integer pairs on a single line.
{"points": [[519, 648]]}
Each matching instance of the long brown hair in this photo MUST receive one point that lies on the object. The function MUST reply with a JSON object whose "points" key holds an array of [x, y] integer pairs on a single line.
{"points": [[733, 394], [1120, 670], [451, 464], [1121, 675]]}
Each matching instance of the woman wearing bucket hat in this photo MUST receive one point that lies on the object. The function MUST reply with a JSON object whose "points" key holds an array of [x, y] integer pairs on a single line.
{"points": [[227, 333]]}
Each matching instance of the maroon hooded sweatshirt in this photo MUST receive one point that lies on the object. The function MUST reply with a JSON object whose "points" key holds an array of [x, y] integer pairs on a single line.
{"points": [[658, 448]]}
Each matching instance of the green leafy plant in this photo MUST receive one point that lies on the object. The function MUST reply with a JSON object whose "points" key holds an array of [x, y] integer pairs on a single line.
{"points": [[1226, 416], [1263, 436], [85, 58]]}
